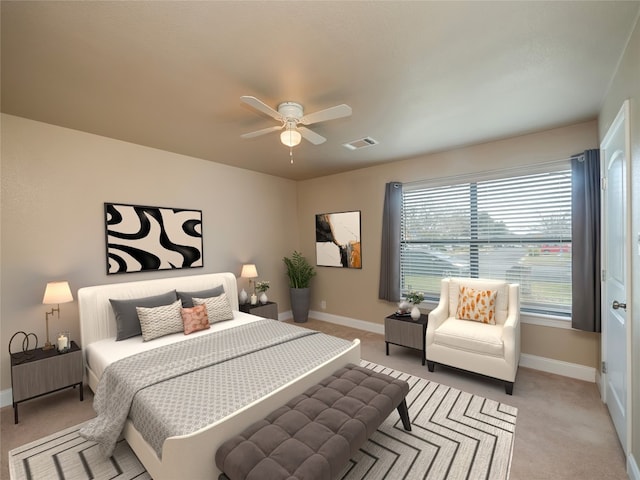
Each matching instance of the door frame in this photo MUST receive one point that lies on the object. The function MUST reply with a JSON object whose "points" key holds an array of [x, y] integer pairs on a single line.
{"points": [[621, 118]]}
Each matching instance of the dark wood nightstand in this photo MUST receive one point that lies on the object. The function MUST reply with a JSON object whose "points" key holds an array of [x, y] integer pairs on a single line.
{"points": [[406, 332], [268, 310], [39, 372]]}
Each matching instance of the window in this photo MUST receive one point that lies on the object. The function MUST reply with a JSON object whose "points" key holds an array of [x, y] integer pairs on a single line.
{"points": [[516, 228]]}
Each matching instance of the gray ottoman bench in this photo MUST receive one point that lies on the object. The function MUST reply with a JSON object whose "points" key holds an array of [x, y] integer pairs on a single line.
{"points": [[315, 434]]}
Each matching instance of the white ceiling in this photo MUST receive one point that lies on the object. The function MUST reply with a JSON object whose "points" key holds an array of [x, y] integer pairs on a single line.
{"points": [[420, 76]]}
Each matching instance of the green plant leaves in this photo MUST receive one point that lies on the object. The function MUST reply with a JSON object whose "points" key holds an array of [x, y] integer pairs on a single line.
{"points": [[299, 271]]}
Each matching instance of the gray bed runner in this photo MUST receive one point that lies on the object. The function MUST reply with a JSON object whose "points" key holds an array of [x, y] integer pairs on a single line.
{"points": [[180, 388]]}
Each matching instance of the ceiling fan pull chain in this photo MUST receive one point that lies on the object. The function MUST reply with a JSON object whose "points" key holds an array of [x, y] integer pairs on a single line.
{"points": [[291, 154]]}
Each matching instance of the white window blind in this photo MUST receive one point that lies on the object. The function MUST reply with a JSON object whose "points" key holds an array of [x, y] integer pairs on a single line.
{"points": [[516, 228]]}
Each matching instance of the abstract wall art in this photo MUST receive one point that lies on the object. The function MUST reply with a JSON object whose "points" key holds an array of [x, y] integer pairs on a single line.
{"points": [[141, 238], [338, 240]]}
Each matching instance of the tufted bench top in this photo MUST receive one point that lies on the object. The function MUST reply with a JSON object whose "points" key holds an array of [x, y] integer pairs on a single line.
{"points": [[315, 434]]}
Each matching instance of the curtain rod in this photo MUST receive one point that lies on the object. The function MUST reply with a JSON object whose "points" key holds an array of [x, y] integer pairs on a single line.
{"points": [[579, 157]]}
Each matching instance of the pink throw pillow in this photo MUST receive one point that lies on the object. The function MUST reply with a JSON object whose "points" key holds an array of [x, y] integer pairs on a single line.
{"points": [[194, 319]]}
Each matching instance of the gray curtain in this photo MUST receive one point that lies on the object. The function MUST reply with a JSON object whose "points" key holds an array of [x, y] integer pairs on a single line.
{"points": [[585, 233], [390, 257]]}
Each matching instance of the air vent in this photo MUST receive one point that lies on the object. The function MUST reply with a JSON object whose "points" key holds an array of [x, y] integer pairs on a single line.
{"points": [[361, 143]]}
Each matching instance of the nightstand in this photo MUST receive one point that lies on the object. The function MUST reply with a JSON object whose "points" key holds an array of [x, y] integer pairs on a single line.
{"points": [[406, 332], [268, 310], [39, 372]]}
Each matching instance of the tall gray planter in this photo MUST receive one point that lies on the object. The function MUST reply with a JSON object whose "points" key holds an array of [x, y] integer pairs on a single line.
{"points": [[300, 302]]}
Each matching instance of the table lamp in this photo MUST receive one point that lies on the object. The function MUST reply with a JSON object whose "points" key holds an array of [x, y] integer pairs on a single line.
{"points": [[55, 294], [249, 271]]}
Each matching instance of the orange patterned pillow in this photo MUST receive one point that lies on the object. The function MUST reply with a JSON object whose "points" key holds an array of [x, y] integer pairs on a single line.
{"points": [[477, 305], [194, 319]]}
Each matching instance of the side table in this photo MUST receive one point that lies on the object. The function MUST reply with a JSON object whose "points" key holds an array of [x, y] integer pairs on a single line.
{"points": [[39, 372], [406, 332], [268, 310]]}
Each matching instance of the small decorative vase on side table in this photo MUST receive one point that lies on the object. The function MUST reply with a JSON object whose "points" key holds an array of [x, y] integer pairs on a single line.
{"points": [[263, 298], [415, 312], [243, 297]]}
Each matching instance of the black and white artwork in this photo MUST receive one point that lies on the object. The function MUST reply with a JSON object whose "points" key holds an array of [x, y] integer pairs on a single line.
{"points": [[338, 240], [141, 238]]}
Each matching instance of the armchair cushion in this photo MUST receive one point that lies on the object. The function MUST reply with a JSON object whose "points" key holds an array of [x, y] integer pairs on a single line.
{"points": [[477, 305], [471, 337]]}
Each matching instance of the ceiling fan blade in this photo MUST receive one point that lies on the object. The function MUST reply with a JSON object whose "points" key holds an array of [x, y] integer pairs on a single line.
{"points": [[257, 133], [312, 136], [261, 106], [331, 113]]}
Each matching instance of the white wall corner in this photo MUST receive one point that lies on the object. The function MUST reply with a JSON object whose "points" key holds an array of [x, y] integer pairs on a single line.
{"points": [[5, 398], [632, 468], [558, 367]]}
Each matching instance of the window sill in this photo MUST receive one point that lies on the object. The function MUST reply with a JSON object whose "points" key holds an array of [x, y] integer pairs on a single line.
{"points": [[546, 320]]}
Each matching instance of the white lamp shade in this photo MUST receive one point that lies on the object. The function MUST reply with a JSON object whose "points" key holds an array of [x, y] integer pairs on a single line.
{"points": [[290, 137], [249, 271], [57, 292]]}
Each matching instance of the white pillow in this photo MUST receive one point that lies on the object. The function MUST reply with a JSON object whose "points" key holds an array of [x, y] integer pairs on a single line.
{"points": [[218, 308], [160, 321]]}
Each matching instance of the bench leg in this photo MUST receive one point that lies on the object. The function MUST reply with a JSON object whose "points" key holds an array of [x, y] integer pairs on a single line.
{"points": [[508, 388], [404, 415]]}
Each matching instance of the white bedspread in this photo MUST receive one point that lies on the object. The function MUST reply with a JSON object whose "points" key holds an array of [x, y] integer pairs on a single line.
{"points": [[99, 355]]}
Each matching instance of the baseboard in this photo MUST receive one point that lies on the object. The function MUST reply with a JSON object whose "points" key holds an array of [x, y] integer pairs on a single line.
{"points": [[632, 467], [348, 322], [285, 315], [6, 398], [566, 369], [549, 365]]}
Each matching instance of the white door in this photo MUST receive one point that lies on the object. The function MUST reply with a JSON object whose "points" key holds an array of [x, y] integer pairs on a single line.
{"points": [[615, 262]]}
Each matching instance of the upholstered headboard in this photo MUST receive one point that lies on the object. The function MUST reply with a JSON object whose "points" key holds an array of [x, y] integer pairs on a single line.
{"points": [[97, 320]]}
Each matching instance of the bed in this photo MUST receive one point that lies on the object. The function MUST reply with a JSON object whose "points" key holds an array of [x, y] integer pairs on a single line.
{"points": [[190, 455]]}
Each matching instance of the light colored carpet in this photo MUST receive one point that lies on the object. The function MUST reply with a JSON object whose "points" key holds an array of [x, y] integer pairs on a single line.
{"points": [[455, 435]]}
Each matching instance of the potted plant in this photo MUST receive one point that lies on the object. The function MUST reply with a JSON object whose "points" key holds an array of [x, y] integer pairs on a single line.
{"points": [[300, 273], [416, 299], [261, 288]]}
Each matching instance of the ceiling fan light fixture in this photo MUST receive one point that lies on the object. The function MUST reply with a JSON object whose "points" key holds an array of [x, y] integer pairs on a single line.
{"points": [[290, 137]]}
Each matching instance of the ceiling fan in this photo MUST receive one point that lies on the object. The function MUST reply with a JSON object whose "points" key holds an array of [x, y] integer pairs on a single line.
{"points": [[292, 118]]}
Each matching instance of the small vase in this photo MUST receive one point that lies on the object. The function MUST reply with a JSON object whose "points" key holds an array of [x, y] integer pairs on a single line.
{"points": [[415, 312], [243, 297], [263, 298]]}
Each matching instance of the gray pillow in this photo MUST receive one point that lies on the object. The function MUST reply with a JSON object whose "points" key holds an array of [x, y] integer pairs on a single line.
{"points": [[127, 321], [187, 297]]}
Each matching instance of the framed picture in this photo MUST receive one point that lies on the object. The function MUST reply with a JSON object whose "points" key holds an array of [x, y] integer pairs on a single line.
{"points": [[338, 240], [141, 238]]}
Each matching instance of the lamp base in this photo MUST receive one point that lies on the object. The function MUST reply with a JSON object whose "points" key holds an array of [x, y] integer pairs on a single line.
{"points": [[47, 346]]}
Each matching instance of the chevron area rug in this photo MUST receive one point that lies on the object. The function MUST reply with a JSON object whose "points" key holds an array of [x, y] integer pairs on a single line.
{"points": [[455, 435]]}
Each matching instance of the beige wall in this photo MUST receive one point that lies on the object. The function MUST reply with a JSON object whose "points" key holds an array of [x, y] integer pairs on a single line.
{"points": [[626, 85], [54, 184], [354, 293], [55, 181]]}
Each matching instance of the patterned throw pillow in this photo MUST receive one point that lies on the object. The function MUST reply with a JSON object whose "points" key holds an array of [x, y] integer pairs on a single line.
{"points": [[477, 305], [218, 308], [160, 321], [194, 319]]}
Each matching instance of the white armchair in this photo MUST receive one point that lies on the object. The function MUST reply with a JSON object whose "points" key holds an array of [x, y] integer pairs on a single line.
{"points": [[491, 350]]}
